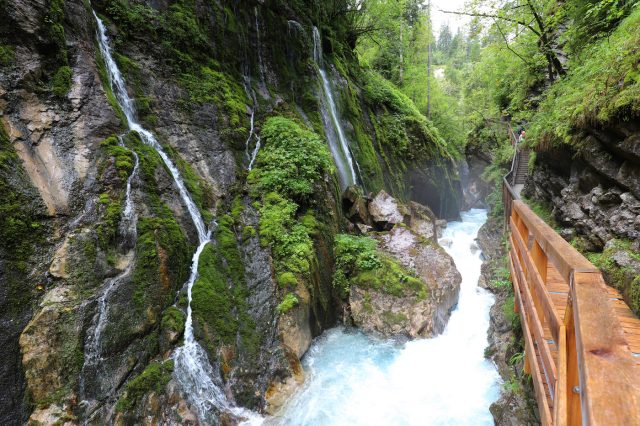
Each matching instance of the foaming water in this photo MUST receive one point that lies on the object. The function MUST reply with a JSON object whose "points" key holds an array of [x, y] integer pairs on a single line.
{"points": [[355, 379], [200, 382]]}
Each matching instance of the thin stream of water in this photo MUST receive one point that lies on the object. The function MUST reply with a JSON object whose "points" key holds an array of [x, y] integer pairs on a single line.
{"points": [[200, 382], [338, 144]]}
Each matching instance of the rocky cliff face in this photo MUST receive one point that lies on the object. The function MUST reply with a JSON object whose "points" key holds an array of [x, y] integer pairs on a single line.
{"points": [[594, 197], [204, 77]]}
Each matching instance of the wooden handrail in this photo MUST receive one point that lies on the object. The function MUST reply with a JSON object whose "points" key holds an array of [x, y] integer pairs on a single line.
{"points": [[593, 378]]}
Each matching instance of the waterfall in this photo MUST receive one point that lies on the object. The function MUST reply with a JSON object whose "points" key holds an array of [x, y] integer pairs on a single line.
{"points": [[200, 383], [251, 154], [260, 61], [338, 143], [294, 26], [129, 220]]}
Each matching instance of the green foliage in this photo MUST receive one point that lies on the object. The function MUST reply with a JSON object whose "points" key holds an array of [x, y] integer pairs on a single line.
{"points": [[287, 280], [7, 55], [153, 379], [288, 302], [358, 262], [288, 238], [61, 81], [292, 160], [510, 316], [173, 319], [603, 85], [543, 211]]}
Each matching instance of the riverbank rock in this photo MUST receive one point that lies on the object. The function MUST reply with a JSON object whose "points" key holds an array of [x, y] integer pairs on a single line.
{"points": [[420, 303], [516, 404], [386, 212]]}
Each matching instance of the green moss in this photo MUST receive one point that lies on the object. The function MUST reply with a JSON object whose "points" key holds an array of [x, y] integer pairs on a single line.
{"points": [[61, 81], [220, 306], [163, 257], [218, 88], [391, 318], [358, 262], [173, 319], [622, 278], [104, 79], [287, 280], [288, 302], [153, 379], [212, 301], [21, 228], [226, 237], [7, 55]]}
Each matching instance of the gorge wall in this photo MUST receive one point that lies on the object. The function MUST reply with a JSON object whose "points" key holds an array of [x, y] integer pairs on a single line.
{"points": [[210, 80], [593, 196]]}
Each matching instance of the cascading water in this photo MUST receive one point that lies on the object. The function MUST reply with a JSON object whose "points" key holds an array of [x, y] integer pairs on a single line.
{"points": [[250, 153], [129, 221], [128, 232], [338, 143], [356, 379], [192, 369]]}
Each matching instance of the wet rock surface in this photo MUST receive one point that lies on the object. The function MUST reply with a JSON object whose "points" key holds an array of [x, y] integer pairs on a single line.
{"points": [[516, 405], [411, 240]]}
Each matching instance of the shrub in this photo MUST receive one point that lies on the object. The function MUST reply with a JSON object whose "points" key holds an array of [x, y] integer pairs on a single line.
{"points": [[288, 302], [292, 160], [61, 81]]}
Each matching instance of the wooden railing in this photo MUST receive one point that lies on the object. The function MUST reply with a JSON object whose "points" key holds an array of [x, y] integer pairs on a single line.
{"points": [[575, 348]]}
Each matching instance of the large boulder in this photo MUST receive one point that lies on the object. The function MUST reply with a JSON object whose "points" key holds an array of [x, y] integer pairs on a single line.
{"points": [[422, 221], [386, 212], [416, 311]]}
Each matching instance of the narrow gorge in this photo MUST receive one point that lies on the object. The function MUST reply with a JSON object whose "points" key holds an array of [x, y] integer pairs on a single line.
{"points": [[289, 212]]}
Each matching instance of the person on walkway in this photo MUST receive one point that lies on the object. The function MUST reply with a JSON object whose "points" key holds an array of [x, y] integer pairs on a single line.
{"points": [[520, 134]]}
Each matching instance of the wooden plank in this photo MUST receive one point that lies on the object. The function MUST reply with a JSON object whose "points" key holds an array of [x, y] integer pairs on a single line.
{"points": [[546, 308], [561, 253], [560, 403], [538, 385], [610, 393], [548, 365]]}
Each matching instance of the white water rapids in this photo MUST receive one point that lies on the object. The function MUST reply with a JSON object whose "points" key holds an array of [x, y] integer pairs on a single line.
{"points": [[354, 379]]}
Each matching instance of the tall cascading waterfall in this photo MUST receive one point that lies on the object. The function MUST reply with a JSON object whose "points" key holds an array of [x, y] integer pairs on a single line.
{"points": [[338, 143], [200, 382]]}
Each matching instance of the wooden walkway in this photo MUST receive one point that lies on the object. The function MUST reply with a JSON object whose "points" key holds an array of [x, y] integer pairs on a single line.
{"points": [[582, 342]]}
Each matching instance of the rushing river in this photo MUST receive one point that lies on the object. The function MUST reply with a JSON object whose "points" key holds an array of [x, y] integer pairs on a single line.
{"points": [[355, 379]]}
